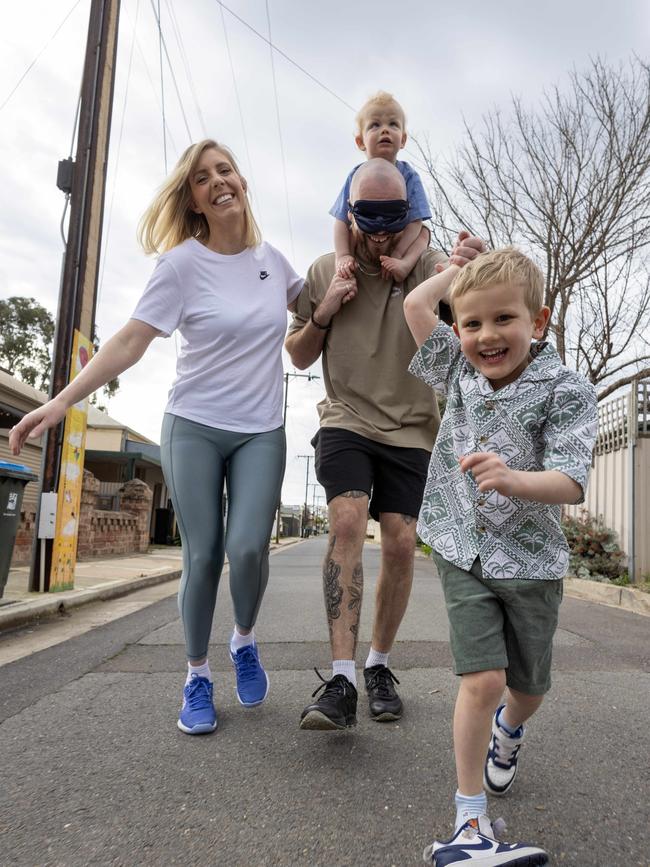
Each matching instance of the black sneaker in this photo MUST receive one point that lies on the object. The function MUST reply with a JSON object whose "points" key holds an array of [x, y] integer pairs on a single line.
{"points": [[385, 704], [336, 708]]}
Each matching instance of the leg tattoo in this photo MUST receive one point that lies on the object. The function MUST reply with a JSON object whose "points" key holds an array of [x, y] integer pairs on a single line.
{"points": [[354, 495], [356, 594], [408, 519], [332, 586]]}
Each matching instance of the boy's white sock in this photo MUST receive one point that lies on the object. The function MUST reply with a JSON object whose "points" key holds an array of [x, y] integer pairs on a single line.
{"points": [[202, 670], [376, 658], [346, 668], [508, 729], [238, 640], [469, 807]]}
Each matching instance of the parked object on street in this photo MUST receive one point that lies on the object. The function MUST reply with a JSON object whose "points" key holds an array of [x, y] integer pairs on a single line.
{"points": [[13, 479]]}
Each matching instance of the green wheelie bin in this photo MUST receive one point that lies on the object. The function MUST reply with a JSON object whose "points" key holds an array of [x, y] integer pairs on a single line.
{"points": [[13, 478]]}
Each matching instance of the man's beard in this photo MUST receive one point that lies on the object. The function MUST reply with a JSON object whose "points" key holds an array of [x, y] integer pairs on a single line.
{"points": [[370, 251]]}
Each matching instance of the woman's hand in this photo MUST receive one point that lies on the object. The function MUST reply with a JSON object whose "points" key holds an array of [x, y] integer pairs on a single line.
{"points": [[35, 423]]}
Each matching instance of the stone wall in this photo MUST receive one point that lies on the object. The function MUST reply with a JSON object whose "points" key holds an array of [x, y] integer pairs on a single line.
{"points": [[101, 533]]}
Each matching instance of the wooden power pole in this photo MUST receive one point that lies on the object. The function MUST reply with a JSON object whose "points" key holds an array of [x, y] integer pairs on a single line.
{"points": [[78, 291]]}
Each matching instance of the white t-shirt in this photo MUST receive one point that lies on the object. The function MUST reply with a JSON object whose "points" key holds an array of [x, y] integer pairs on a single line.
{"points": [[231, 313]]}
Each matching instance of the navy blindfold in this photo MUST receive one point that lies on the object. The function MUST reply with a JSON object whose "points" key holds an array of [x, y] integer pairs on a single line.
{"points": [[385, 215]]}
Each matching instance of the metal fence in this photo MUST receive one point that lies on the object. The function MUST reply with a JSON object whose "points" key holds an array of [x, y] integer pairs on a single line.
{"points": [[108, 497], [619, 485]]}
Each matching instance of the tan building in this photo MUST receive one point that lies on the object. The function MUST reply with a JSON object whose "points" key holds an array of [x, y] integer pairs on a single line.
{"points": [[115, 453]]}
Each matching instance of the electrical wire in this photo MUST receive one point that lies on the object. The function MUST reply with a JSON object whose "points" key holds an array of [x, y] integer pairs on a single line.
{"points": [[277, 114], [186, 65], [286, 56], [163, 42], [34, 61], [107, 232], [154, 90], [239, 107], [162, 80], [412, 156]]}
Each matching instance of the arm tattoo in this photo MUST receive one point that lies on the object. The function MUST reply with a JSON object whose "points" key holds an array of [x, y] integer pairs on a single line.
{"points": [[353, 495]]}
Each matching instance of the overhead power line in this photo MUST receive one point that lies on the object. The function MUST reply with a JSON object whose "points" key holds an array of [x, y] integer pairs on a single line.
{"points": [[414, 159], [34, 61], [239, 105], [171, 70], [286, 56], [277, 114], [186, 65]]}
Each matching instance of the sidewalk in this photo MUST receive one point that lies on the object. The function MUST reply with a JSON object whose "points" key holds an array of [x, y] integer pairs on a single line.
{"points": [[95, 580]]}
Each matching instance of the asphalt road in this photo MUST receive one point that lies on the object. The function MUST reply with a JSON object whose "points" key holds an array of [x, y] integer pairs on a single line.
{"points": [[93, 770]]}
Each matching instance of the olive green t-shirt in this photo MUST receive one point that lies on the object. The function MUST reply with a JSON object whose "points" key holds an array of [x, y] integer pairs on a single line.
{"points": [[366, 355]]}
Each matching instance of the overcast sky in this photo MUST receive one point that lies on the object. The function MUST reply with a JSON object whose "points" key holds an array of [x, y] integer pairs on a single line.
{"points": [[442, 62]]}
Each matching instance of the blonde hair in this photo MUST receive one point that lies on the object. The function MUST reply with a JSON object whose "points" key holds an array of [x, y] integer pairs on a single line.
{"points": [[381, 99], [169, 220], [506, 266]]}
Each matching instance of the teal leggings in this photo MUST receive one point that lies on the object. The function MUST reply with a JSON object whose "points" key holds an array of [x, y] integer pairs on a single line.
{"points": [[197, 460]]}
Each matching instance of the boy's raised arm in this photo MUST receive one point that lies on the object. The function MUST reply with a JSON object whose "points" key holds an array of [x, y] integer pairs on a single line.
{"points": [[421, 304]]}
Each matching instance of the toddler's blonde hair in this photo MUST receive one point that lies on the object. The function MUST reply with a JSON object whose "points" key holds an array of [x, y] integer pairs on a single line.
{"points": [[381, 99]]}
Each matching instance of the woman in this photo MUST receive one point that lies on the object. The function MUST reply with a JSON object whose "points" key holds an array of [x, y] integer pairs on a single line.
{"points": [[227, 292]]}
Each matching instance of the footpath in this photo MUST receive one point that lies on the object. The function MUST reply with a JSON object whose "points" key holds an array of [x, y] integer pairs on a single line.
{"points": [[111, 577], [95, 580]]}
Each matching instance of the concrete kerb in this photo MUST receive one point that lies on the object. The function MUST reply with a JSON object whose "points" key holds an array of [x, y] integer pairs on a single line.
{"points": [[627, 598], [50, 604]]}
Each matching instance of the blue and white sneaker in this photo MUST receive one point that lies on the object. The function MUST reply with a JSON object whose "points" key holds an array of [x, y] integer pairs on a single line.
{"points": [[474, 843], [197, 716], [252, 680], [501, 763]]}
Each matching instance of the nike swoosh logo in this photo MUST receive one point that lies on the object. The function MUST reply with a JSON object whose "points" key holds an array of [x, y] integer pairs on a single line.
{"points": [[264, 275]]}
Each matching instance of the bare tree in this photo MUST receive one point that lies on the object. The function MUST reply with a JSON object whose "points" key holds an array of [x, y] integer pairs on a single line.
{"points": [[569, 183]]}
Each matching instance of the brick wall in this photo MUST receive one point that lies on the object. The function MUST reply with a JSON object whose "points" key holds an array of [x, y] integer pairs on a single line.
{"points": [[24, 535], [101, 533]]}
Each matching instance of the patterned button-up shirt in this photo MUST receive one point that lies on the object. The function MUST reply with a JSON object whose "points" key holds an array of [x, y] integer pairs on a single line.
{"points": [[546, 420]]}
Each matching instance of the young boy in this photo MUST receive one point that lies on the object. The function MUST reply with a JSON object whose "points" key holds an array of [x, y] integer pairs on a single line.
{"points": [[381, 132], [515, 442]]}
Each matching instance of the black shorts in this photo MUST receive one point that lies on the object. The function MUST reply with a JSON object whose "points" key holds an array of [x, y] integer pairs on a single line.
{"points": [[392, 476]]}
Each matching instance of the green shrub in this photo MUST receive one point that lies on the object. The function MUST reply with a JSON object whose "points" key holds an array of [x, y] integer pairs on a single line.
{"points": [[594, 549]]}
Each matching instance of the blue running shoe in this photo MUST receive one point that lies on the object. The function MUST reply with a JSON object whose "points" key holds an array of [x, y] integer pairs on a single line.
{"points": [[503, 754], [252, 680], [474, 843], [197, 716]]}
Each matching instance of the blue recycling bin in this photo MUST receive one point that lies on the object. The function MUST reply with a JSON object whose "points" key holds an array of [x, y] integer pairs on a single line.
{"points": [[13, 478]]}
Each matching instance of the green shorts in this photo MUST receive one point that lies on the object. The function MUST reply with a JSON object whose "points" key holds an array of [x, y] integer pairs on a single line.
{"points": [[504, 623]]}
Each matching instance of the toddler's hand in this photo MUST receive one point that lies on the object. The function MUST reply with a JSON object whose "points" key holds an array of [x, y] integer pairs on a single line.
{"points": [[490, 472], [466, 248], [345, 266], [395, 268]]}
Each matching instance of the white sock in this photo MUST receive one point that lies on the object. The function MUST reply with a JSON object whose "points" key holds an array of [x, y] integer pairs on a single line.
{"points": [[238, 640], [469, 807], [346, 668], [202, 670], [376, 658], [508, 729]]}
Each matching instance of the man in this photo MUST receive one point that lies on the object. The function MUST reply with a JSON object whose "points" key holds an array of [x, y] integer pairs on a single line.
{"points": [[377, 427]]}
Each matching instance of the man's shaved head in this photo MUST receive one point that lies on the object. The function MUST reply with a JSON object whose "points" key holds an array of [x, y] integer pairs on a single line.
{"points": [[377, 179]]}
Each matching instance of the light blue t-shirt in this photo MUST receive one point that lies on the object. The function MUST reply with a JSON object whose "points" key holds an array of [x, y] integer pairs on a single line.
{"points": [[414, 193]]}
